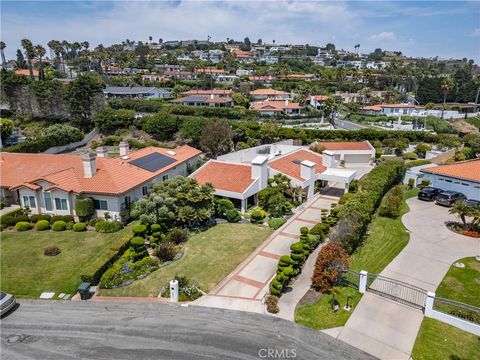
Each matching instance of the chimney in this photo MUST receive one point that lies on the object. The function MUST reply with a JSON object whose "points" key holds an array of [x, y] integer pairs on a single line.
{"points": [[102, 152], [260, 170], [211, 96], [328, 159], [286, 102], [307, 169], [89, 165], [123, 148]]}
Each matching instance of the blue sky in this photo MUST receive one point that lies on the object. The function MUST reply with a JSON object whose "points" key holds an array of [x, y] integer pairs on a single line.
{"points": [[422, 28]]}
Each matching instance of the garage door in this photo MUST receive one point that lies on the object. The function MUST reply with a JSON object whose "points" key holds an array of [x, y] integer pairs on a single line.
{"points": [[357, 159]]}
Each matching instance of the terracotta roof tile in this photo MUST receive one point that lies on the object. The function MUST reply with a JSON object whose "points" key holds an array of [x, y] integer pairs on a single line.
{"points": [[466, 170], [225, 176], [274, 105], [268, 92], [290, 164]]}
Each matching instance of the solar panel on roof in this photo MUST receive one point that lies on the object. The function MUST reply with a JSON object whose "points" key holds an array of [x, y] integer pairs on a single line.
{"points": [[152, 162]]}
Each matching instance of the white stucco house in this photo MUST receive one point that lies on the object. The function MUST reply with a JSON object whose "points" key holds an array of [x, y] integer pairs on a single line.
{"points": [[50, 184], [463, 177], [135, 92]]}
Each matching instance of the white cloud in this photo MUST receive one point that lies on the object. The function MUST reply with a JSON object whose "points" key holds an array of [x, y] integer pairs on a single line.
{"points": [[383, 36]]}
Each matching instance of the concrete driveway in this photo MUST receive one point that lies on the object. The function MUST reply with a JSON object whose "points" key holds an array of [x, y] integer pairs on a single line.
{"points": [[388, 329]]}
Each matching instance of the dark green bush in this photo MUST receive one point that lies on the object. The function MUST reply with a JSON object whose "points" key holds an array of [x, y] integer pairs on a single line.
{"points": [[22, 217], [65, 218], [232, 215], [94, 221], [320, 229], [79, 227], [108, 226], [345, 197], [304, 230], [139, 230], [37, 217], [221, 207], [59, 225], [177, 235], [257, 216], [42, 225], [353, 186], [85, 208], [391, 203], [9, 221], [276, 223], [23, 226]]}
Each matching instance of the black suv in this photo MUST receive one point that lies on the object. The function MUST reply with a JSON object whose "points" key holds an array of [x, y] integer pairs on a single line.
{"points": [[428, 193], [450, 198]]}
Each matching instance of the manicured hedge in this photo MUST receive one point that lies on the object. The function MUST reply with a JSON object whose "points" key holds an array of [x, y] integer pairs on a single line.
{"points": [[108, 226], [355, 215], [79, 227], [23, 226], [37, 217], [84, 207], [276, 223], [64, 218], [139, 230], [232, 215]]}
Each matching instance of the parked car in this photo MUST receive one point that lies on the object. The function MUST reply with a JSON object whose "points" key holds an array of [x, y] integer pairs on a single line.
{"points": [[450, 198], [471, 202], [429, 193], [7, 302]]}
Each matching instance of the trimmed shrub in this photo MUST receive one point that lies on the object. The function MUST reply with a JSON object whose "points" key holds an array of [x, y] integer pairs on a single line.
{"points": [[93, 222], [232, 215], [345, 197], [414, 163], [137, 242], [276, 223], [139, 230], [321, 229], [410, 156], [85, 208], [177, 235], [166, 251], [42, 225], [155, 228], [59, 225], [108, 226], [304, 230], [272, 304], [79, 227], [23, 226], [257, 216], [37, 217], [64, 218], [222, 206], [51, 251], [8, 221]]}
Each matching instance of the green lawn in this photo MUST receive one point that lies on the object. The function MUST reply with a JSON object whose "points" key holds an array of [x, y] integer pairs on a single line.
{"points": [[386, 238], [209, 257], [462, 284], [27, 272], [439, 341], [320, 315]]}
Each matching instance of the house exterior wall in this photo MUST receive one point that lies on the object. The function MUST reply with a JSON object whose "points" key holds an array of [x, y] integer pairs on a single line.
{"points": [[470, 189]]}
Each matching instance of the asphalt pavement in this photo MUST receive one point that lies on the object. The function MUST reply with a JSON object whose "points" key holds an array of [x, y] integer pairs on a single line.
{"points": [[117, 330]]}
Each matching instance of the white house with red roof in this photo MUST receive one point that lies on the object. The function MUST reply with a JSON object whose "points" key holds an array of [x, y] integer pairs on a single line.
{"points": [[50, 183], [239, 176], [350, 152], [317, 101], [275, 107], [269, 94], [392, 109]]}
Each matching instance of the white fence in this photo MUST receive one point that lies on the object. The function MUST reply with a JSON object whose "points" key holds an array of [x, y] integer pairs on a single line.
{"points": [[71, 146]]}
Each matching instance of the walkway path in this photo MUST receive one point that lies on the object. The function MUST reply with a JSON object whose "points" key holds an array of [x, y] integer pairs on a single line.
{"points": [[246, 286], [388, 329]]}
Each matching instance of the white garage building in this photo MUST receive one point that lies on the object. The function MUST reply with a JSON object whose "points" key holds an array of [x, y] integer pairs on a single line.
{"points": [[463, 177], [355, 152]]}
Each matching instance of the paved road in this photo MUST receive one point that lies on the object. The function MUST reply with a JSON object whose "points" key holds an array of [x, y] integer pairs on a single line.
{"points": [[388, 329], [348, 125], [90, 330]]}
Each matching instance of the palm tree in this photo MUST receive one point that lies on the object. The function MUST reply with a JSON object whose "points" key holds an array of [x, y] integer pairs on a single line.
{"points": [[463, 210], [2, 47], [40, 52], [29, 53], [448, 84]]}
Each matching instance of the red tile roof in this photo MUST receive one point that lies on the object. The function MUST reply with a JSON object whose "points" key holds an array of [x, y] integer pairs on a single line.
{"points": [[274, 105], [318, 97], [287, 166], [466, 170], [114, 175], [225, 176], [26, 72], [208, 92], [268, 92], [345, 145]]}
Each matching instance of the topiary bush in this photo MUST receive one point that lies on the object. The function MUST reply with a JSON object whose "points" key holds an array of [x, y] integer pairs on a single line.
{"points": [[139, 230], [276, 223], [155, 228], [232, 215], [137, 242], [108, 226], [51, 251], [79, 227], [42, 225], [320, 229], [59, 225], [23, 226], [257, 216], [85, 208], [177, 235], [304, 230]]}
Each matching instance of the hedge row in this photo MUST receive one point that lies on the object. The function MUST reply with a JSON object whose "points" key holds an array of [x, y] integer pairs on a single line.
{"points": [[356, 214]]}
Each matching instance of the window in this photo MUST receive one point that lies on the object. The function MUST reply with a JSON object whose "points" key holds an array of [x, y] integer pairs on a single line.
{"points": [[165, 177], [29, 201], [100, 204], [144, 190], [61, 204], [48, 201], [127, 200]]}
